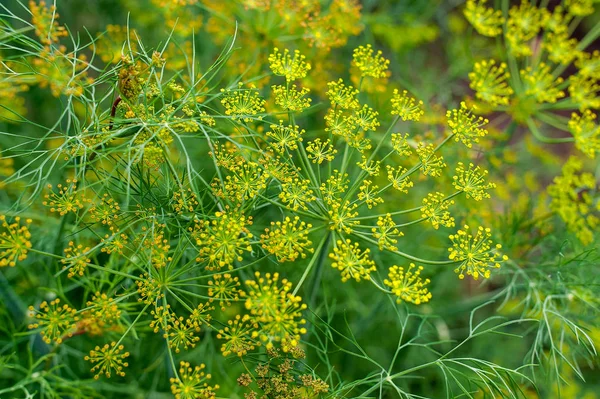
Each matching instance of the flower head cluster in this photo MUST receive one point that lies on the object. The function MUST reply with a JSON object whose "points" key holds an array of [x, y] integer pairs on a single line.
{"points": [[466, 126], [472, 182], [431, 164], [485, 20], [399, 178], [292, 67], [296, 194], [369, 64], [76, 259], [15, 241], [103, 311], [55, 320], [223, 240], [106, 211], [66, 200], [287, 240], [238, 335], [243, 104], [573, 201], [45, 21], [586, 132], [342, 95], [108, 359], [290, 98], [523, 24], [585, 91], [400, 144], [408, 286], [476, 254], [386, 233], [320, 151], [275, 309], [406, 107], [490, 82], [541, 84], [192, 383], [435, 210], [224, 289], [351, 261], [285, 137]]}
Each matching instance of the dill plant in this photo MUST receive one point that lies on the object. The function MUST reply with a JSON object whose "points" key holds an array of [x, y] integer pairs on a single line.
{"points": [[183, 229]]}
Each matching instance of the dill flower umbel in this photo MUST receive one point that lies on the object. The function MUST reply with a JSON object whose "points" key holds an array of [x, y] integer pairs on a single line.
{"points": [[342, 95], [369, 193], [351, 262], [287, 240], [291, 99], [541, 84], [285, 137], [408, 286], [192, 383], [107, 360], [485, 20], [320, 151], [76, 259], [292, 67], [435, 210], [476, 254], [490, 82], [585, 91], [466, 126], [399, 178], [243, 104], [238, 336], [431, 164], [276, 311], [406, 107], [224, 288], [386, 233], [56, 321], [400, 144], [472, 182], [586, 133], [223, 240], [369, 64], [572, 200], [66, 200], [15, 240]]}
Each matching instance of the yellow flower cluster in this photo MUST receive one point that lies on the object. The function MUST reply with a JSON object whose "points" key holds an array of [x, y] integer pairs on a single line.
{"points": [[573, 201], [465, 126], [76, 259], [408, 286], [351, 261], [15, 241], [287, 240], [406, 107], [275, 309], [435, 210], [485, 20], [490, 82], [192, 383], [472, 182], [223, 240], [586, 132], [369, 64], [476, 254], [55, 320], [243, 104], [108, 359], [291, 67]]}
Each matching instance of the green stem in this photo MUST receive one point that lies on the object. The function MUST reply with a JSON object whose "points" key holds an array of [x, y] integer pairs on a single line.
{"points": [[316, 255]]}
